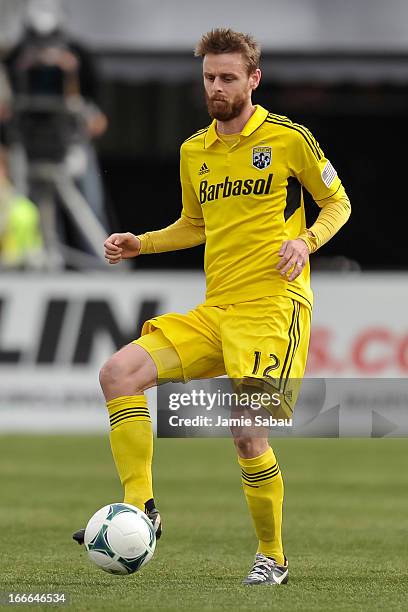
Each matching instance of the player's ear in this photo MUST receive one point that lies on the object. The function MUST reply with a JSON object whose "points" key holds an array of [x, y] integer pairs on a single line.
{"points": [[255, 78]]}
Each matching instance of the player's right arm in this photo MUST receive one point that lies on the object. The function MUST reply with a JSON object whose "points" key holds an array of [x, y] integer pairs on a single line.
{"points": [[182, 234], [121, 246], [188, 231]]}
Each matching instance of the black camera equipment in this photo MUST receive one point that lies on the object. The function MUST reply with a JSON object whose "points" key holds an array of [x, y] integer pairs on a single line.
{"points": [[49, 122]]}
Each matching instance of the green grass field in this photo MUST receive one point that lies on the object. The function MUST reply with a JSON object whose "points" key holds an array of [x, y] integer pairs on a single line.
{"points": [[346, 525]]}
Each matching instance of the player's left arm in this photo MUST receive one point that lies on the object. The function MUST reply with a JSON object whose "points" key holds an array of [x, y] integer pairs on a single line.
{"points": [[315, 172]]}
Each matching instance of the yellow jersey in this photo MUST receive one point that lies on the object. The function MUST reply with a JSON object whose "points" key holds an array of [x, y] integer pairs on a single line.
{"points": [[249, 199]]}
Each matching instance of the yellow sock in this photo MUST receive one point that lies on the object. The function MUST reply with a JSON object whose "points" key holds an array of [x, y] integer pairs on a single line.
{"points": [[263, 488], [131, 441]]}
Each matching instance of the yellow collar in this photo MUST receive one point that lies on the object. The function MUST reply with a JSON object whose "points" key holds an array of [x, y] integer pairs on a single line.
{"points": [[252, 124]]}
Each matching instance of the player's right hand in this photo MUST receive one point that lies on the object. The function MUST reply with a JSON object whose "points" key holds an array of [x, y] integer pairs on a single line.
{"points": [[121, 246]]}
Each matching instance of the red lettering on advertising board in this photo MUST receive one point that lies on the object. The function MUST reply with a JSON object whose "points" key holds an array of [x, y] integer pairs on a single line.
{"points": [[372, 352], [319, 357], [402, 354], [372, 338]]}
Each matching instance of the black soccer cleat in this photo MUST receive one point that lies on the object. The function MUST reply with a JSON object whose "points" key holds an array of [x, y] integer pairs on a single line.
{"points": [[79, 536], [154, 516], [266, 571]]}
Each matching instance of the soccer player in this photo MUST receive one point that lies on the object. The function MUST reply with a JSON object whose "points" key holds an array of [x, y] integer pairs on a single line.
{"points": [[242, 180]]}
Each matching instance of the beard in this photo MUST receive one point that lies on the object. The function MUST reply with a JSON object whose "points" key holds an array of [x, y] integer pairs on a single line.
{"points": [[225, 110]]}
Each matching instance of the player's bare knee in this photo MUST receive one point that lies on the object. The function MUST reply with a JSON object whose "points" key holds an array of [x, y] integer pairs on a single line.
{"points": [[243, 444], [111, 373], [249, 447], [127, 372]]}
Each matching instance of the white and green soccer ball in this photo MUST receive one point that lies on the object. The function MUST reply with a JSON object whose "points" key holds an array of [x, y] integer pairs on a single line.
{"points": [[120, 539]]}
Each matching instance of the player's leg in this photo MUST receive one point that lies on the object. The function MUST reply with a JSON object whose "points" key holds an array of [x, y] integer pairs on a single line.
{"points": [[262, 484], [263, 488], [150, 359], [265, 338], [173, 347], [124, 378]]}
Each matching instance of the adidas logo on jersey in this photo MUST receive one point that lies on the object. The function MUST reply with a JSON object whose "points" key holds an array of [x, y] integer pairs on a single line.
{"points": [[203, 170]]}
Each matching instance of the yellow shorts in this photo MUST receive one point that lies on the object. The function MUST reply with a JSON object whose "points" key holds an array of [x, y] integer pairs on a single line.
{"points": [[263, 340]]}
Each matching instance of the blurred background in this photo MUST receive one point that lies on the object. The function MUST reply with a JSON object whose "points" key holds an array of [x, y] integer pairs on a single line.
{"points": [[96, 98]]}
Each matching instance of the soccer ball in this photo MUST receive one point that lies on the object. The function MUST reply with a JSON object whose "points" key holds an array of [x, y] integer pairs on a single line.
{"points": [[120, 539]]}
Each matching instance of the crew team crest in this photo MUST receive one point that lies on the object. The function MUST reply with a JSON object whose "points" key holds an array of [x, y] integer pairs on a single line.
{"points": [[261, 157]]}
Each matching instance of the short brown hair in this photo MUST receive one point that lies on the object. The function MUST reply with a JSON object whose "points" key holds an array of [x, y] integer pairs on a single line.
{"points": [[225, 40]]}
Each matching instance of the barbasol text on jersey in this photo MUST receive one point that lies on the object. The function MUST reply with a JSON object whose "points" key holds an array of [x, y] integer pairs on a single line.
{"points": [[228, 188]]}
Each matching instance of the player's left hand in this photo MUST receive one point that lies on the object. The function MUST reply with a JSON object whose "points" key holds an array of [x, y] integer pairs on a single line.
{"points": [[294, 255]]}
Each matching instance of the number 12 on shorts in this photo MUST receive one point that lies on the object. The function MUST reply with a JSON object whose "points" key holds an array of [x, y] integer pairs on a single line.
{"points": [[257, 362]]}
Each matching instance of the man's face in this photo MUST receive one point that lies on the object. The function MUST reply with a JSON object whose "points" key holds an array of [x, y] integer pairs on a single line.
{"points": [[228, 87]]}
